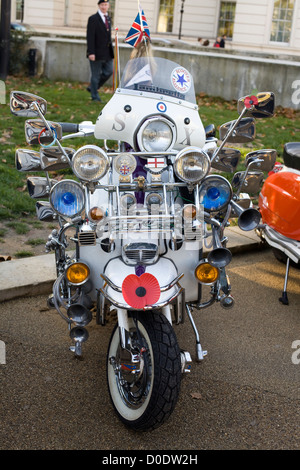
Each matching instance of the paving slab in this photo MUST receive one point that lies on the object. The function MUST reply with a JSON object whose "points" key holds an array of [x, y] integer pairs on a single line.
{"points": [[27, 276]]}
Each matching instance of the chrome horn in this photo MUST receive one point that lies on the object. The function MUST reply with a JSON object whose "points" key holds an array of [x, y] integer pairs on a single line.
{"points": [[79, 314], [219, 256], [79, 335], [248, 219]]}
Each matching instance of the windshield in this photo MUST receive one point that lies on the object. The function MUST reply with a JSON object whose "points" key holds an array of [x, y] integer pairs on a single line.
{"points": [[158, 75]]}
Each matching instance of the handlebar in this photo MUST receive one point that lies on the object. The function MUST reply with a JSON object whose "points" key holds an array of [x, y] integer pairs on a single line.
{"points": [[69, 126]]}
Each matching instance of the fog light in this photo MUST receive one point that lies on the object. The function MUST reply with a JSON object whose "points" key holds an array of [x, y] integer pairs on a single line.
{"points": [[205, 273], [77, 273], [96, 214], [189, 212]]}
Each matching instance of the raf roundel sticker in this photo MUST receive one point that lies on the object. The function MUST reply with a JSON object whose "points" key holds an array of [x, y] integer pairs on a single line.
{"points": [[181, 79], [161, 107]]}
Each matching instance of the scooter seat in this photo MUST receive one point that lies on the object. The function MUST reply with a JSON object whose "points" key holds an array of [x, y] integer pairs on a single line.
{"points": [[291, 155]]}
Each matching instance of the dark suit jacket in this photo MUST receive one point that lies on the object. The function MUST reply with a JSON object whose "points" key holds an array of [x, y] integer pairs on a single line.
{"points": [[99, 39]]}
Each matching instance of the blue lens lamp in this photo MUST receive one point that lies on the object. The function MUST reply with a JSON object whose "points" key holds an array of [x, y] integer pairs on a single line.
{"points": [[215, 193], [67, 198]]}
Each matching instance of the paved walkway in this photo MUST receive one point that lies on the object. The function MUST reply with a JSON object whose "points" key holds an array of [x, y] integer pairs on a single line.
{"points": [[35, 275]]}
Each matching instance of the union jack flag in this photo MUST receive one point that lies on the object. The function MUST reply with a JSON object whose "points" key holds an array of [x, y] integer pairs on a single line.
{"points": [[138, 28]]}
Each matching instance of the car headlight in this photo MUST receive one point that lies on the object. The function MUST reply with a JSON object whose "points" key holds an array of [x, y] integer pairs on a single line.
{"points": [[156, 134], [191, 165], [67, 198], [90, 163], [215, 193]]}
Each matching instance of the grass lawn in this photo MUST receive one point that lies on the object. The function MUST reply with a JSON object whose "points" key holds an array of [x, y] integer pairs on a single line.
{"points": [[70, 102]]}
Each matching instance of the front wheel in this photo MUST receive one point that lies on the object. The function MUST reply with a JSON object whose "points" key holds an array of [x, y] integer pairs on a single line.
{"points": [[144, 390]]}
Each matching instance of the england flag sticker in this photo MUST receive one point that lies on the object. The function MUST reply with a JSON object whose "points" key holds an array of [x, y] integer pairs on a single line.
{"points": [[181, 79]]}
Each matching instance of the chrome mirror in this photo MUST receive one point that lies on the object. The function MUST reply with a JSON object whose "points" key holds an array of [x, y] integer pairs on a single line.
{"points": [[249, 182], [244, 201], [291, 154], [27, 160], [263, 160], [27, 104], [227, 159], [52, 158], [39, 186], [210, 131], [261, 105], [36, 133], [44, 211], [244, 131]]}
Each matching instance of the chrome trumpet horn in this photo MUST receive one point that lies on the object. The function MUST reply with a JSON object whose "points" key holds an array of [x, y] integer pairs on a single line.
{"points": [[248, 219], [79, 314], [219, 256], [79, 335]]}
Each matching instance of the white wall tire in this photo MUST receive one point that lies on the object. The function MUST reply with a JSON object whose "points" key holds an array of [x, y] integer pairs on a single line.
{"points": [[155, 395]]}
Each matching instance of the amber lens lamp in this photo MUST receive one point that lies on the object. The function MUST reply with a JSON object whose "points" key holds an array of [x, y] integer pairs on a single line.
{"points": [[207, 274], [96, 214], [77, 273]]}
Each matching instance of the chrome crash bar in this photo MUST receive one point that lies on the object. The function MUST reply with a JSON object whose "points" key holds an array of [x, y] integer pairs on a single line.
{"points": [[157, 306]]}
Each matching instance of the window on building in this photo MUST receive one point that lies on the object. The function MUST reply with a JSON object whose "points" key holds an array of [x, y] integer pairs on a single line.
{"points": [[19, 10], [282, 20], [226, 19], [165, 16]]}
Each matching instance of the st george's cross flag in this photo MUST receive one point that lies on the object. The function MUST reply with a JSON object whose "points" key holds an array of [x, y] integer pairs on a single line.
{"points": [[138, 28]]}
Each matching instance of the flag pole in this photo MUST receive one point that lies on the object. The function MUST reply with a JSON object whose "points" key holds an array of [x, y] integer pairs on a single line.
{"points": [[142, 27], [116, 71]]}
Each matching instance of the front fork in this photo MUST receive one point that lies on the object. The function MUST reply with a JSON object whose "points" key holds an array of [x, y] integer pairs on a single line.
{"points": [[130, 363], [137, 360], [123, 324]]}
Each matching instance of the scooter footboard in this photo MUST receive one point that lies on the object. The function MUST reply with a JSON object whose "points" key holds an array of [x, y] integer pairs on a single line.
{"points": [[288, 246]]}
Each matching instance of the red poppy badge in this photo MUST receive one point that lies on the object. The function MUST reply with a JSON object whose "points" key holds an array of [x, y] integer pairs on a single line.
{"points": [[250, 101], [139, 291]]}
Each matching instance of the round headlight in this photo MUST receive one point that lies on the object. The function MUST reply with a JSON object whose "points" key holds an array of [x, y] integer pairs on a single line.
{"points": [[215, 193], [154, 199], [192, 165], [90, 163], [156, 134], [67, 198]]}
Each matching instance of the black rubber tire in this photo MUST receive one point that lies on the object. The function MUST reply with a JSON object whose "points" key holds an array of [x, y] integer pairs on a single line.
{"points": [[163, 376]]}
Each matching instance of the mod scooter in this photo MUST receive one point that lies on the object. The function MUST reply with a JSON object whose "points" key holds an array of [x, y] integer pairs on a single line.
{"points": [[149, 209]]}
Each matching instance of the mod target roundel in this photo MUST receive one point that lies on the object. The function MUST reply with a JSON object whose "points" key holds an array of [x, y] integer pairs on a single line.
{"points": [[161, 107]]}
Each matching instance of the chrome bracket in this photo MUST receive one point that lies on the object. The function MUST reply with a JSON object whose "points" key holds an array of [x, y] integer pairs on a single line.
{"points": [[200, 353]]}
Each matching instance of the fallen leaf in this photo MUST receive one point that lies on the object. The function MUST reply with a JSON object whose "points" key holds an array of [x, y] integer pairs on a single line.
{"points": [[196, 395]]}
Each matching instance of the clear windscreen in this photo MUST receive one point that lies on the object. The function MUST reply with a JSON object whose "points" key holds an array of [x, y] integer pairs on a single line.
{"points": [[158, 75]]}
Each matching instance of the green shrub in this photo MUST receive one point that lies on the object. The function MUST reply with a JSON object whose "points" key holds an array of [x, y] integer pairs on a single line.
{"points": [[18, 53]]}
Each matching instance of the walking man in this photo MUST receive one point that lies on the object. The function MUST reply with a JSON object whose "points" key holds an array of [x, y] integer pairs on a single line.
{"points": [[99, 48]]}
